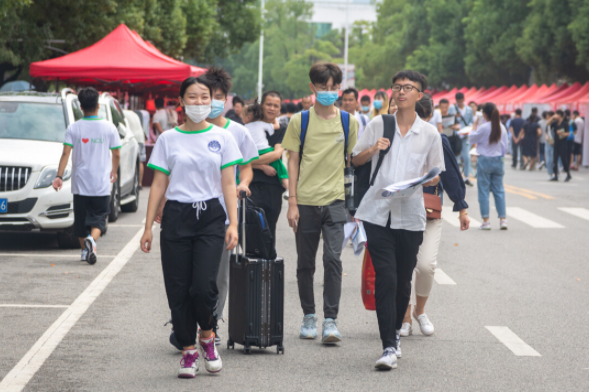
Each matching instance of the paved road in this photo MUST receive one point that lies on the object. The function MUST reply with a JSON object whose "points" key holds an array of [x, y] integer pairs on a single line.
{"points": [[100, 328]]}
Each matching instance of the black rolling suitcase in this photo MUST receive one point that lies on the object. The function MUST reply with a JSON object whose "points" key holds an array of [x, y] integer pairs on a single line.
{"points": [[256, 298]]}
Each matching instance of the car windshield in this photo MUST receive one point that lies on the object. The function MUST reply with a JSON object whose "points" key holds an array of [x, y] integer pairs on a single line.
{"points": [[32, 120]]}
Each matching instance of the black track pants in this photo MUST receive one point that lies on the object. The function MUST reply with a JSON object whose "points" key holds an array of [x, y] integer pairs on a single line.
{"points": [[191, 251]]}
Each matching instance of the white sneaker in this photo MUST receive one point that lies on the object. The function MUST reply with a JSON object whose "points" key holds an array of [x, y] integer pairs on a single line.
{"points": [[90, 245], [84, 255], [503, 224], [485, 226], [188, 364], [398, 351], [406, 329], [210, 355], [286, 195], [388, 360], [426, 326]]}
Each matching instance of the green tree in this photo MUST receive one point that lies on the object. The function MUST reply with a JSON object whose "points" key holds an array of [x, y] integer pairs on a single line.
{"points": [[492, 28]]}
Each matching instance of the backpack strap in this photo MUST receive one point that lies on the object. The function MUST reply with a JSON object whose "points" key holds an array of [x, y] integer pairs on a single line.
{"points": [[389, 129], [304, 126], [345, 117]]}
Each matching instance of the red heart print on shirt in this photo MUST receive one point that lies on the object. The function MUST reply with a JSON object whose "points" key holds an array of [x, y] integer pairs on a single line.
{"points": [[85, 140]]}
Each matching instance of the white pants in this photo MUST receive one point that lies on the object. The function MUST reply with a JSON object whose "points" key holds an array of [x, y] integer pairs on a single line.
{"points": [[427, 260]]}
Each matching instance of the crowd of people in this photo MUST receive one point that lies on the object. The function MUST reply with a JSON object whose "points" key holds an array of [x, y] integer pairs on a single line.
{"points": [[205, 161]]}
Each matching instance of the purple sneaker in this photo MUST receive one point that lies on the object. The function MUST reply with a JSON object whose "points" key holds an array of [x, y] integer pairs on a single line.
{"points": [[188, 364], [213, 362]]}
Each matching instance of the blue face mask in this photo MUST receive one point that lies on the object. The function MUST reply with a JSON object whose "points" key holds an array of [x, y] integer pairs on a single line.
{"points": [[377, 104], [365, 108], [217, 108], [326, 98]]}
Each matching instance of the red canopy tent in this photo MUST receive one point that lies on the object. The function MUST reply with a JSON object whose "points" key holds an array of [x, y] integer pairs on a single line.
{"points": [[121, 60]]}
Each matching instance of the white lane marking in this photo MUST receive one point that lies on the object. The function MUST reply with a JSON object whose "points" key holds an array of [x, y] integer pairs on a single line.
{"points": [[121, 225], [47, 255], [441, 277], [513, 342], [532, 219], [32, 306], [26, 368], [582, 213], [452, 218]]}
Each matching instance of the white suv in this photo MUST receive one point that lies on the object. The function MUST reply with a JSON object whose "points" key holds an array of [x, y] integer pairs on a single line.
{"points": [[32, 130]]}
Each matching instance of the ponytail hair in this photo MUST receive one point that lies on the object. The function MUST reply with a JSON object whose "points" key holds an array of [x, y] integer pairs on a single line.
{"points": [[493, 114], [255, 110], [424, 107]]}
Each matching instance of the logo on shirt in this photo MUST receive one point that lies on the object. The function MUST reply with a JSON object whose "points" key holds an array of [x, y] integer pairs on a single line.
{"points": [[92, 140], [214, 146], [340, 138]]}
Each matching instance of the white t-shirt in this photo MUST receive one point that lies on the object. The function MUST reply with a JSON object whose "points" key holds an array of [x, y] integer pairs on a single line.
{"points": [[258, 131], [409, 157], [244, 141], [580, 130], [193, 161], [246, 145], [436, 118], [91, 138], [161, 117], [362, 122]]}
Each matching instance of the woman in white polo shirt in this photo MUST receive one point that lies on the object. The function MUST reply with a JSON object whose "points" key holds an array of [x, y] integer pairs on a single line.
{"points": [[197, 158]]}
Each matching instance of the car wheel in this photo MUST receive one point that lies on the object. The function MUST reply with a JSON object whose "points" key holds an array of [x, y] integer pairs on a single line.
{"points": [[134, 205], [67, 240], [115, 202]]}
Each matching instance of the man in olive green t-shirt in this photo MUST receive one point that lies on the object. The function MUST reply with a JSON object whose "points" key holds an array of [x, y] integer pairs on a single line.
{"points": [[316, 201]]}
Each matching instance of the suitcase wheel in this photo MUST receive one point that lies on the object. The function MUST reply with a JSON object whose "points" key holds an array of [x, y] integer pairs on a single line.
{"points": [[280, 349], [230, 344]]}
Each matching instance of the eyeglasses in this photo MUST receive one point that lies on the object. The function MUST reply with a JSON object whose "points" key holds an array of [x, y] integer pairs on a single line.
{"points": [[407, 88]]}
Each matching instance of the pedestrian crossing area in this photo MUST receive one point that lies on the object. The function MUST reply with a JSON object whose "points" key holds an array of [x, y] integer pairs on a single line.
{"points": [[558, 219]]}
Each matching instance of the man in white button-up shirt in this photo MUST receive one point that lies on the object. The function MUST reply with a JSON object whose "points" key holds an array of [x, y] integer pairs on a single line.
{"points": [[394, 227]]}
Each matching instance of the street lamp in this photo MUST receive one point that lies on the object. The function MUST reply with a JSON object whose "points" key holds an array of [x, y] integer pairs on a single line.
{"points": [[261, 61]]}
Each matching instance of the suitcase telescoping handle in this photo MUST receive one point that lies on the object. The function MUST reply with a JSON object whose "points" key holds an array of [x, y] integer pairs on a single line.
{"points": [[241, 240]]}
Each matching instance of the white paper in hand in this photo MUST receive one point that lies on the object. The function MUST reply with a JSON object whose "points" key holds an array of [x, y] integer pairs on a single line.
{"points": [[408, 187]]}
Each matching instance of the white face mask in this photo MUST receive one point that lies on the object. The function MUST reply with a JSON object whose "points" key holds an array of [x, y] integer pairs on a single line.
{"points": [[197, 113]]}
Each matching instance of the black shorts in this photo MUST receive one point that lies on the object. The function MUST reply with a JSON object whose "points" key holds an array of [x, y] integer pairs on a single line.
{"points": [[90, 211], [577, 148]]}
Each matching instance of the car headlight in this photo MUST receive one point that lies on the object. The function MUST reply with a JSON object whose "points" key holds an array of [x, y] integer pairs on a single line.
{"points": [[48, 175]]}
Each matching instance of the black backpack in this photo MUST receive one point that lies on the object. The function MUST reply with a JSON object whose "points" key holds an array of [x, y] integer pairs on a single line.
{"points": [[259, 242], [362, 179]]}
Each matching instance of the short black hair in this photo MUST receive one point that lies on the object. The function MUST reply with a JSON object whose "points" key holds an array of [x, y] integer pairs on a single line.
{"points": [[255, 110], [291, 107], [560, 113], [159, 102], [459, 96], [471, 102], [518, 112], [283, 108], [270, 93], [237, 99], [88, 98], [535, 110], [567, 112], [192, 80], [219, 79], [321, 72], [576, 112], [350, 91], [300, 106], [544, 114], [444, 100], [414, 76], [365, 98]]}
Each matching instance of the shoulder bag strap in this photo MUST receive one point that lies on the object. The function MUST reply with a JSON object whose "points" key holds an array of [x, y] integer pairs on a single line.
{"points": [[345, 117], [389, 129]]}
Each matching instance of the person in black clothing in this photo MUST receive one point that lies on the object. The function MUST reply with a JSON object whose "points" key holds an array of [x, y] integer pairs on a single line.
{"points": [[515, 128], [235, 113], [266, 187], [531, 132], [560, 131], [452, 182]]}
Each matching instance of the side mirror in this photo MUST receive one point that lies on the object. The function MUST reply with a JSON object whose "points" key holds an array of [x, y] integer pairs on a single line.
{"points": [[122, 131]]}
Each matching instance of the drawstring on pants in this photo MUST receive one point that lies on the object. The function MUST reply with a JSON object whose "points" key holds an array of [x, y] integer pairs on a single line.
{"points": [[200, 206]]}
